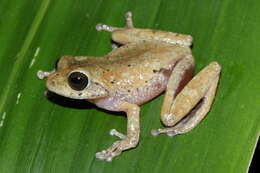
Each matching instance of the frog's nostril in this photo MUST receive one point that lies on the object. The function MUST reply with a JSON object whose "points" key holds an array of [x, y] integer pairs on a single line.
{"points": [[51, 84]]}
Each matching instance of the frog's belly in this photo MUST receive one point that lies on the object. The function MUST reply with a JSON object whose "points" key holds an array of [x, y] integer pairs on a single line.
{"points": [[137, 96]]}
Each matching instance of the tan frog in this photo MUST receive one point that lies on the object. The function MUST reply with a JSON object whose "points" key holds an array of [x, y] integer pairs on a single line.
{"points": [[148, 63]]}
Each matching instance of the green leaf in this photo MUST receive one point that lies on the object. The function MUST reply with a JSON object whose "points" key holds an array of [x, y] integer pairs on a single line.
{"points": [[44, 135]]}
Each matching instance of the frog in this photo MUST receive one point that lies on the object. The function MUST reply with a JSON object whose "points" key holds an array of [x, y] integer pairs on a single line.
{"points": [[143, 64]]}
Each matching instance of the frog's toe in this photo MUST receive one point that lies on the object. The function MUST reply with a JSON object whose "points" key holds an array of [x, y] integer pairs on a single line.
{"points": [[154, 132], [169, 131], [128, 15], [128, 18], [104, 155], [114, 132], [111, 152], [104, 27], [108, 155], [41, 74], [129, 24], [44, 74]]}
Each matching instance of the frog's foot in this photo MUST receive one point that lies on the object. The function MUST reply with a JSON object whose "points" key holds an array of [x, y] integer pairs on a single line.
{"points": [[116, 149], [43, 74], [129, 24], [110, 153], [169, 131]]}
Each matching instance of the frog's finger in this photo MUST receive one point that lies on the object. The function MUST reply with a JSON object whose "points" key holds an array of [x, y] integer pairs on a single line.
{"points": [[114, 132], [104, 27], [43, 74]]}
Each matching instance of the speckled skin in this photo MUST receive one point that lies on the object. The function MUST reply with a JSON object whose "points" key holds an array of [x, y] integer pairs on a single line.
{"points": [[137, 72], [148, 63], [134, 73]]}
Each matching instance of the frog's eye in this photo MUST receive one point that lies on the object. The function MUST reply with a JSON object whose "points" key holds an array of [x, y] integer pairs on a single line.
{"points": [[78, 81]]}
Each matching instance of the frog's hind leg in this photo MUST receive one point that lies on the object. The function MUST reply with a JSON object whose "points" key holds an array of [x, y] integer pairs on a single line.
{"points": [[104, 27], [130, 34], [191, 105]]}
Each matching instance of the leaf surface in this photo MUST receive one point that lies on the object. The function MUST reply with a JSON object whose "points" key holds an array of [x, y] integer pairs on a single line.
{"points": [[60, 135]]}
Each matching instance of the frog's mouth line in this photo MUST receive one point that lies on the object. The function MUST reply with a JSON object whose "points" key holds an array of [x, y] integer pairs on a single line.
{"points": [[70, 95]]}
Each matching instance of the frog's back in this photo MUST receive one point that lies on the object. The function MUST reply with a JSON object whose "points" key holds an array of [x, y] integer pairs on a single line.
{"points": [[142, 59], [138, 62], [153, 54]]}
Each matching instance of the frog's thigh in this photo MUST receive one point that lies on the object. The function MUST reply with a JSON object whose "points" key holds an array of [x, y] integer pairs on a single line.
{"points": [[193, 103], [181, 75], [130, 35]]}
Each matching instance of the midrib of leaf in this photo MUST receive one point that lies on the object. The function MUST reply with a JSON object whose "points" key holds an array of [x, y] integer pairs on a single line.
{"points": [[21, 55]]}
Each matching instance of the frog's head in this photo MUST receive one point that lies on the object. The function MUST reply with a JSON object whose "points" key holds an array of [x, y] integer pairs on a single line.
{"points": [[74, 81]]}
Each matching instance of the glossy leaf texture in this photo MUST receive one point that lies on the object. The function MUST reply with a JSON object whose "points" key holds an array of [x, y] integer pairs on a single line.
{"points": [[58, 135]]}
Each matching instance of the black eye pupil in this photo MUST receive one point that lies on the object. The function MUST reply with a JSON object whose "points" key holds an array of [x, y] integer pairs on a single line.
{"points": [[78, 81]]}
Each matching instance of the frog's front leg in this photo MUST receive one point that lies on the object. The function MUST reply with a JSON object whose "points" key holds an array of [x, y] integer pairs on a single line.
{"points": [[183, 112], [128, 141], [44, 74]]}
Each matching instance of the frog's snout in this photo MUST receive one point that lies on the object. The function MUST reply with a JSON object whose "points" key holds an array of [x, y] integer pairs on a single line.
{"points": [[55, 82]]}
